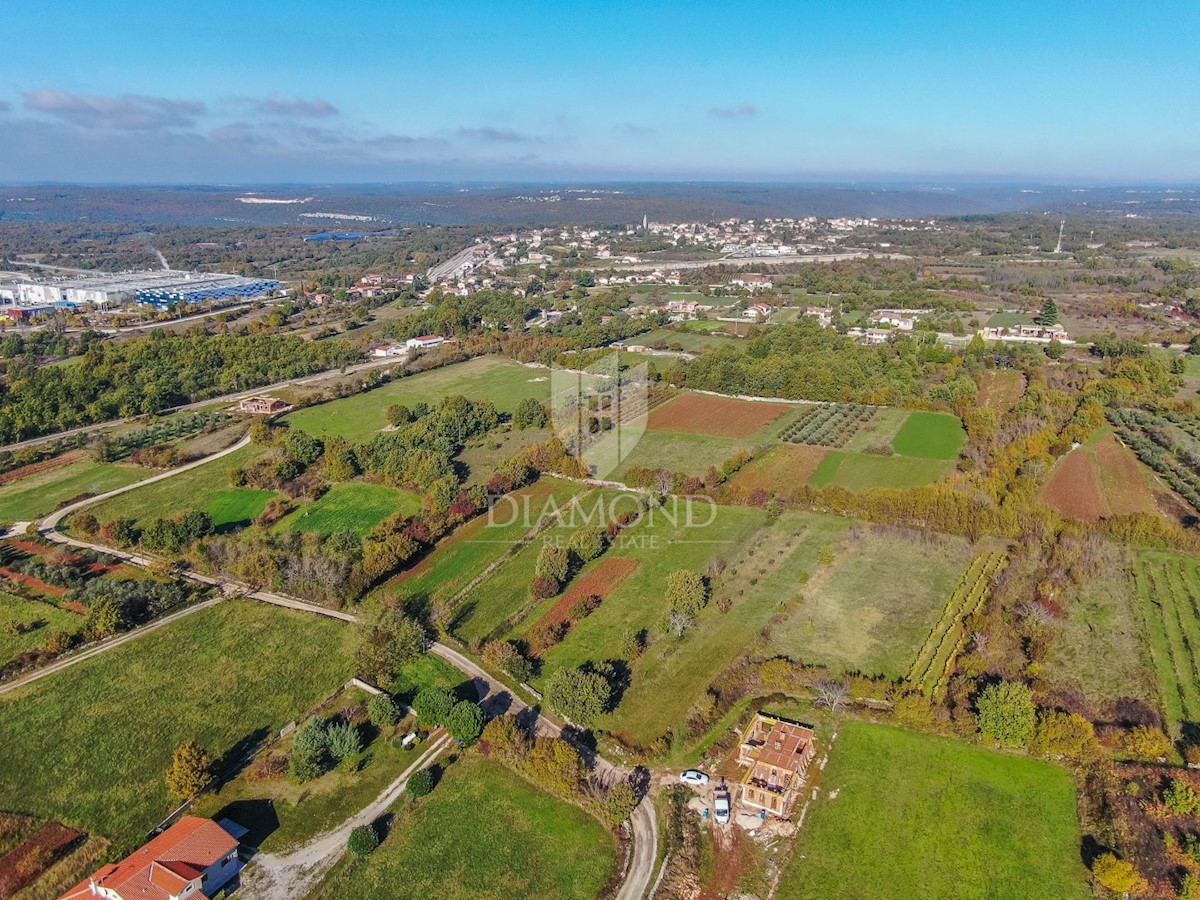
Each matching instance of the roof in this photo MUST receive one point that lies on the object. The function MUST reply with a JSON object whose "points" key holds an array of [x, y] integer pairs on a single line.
{"points": [[162, 867], [427, 337]]}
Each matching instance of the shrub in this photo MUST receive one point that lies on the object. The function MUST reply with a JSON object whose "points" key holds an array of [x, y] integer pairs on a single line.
{"points": [[419, 783], [1181, 798], [578, 694], [190, 772], [1117, 874], [543, 587], [553, 562], [686, 592], [343, 740], [505, 738], [1064, 734], [363, 841], [1146, 741]]}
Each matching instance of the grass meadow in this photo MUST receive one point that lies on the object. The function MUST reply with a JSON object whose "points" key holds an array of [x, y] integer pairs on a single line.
{"points": [[503, 381], [860, 471], [928, 818], [484, 833], [225, 676], [51, 617], [930, 435]]}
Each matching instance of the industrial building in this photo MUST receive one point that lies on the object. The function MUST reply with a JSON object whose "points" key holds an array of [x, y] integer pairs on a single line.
{"points": [[158, 287]]}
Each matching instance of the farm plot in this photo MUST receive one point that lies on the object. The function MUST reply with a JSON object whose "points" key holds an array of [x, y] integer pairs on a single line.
{"points": [[930, 435], [716, 416], [225, 676], [917, 816], [859, 471], [934, 664], [41, 492], [679, 452], [781, 470], [1168, 589], [355, 506], [830, 425], [477, 544], [601, 580], [1000, 389], [1099, 479], [686, 341], [872, 607], [503, 381]]}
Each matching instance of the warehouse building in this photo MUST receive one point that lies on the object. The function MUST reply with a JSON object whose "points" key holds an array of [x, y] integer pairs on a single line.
{"points": [[158, 287]]}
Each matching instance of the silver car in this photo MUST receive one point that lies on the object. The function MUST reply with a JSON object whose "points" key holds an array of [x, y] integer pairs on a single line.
{"points": [[721, 808], [693, 776]]}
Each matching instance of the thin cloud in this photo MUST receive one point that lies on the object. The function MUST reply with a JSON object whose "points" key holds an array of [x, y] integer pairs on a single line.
{"points": [[634, 130], [742, 110], [492, 135], [127, 112], [316, 108], [5, 106]]}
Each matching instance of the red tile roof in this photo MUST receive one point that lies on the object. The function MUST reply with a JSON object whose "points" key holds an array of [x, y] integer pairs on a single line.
{"points": [[785, 745], [162, 867]]}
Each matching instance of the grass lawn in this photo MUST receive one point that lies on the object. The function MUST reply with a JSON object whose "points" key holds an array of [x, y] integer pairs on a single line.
{"points": [[41, 493], [1008, 320], [928, 817], [282, 813], [355, 505], [18, 609], [871, 608], [89, 745], [503, 381], [930, 435], [485, 832], [477, 544], [690, 341], [859, 471], [208, 487]]}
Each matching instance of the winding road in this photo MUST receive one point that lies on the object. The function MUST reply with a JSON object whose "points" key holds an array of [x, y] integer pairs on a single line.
{"points": [[281, 877]]}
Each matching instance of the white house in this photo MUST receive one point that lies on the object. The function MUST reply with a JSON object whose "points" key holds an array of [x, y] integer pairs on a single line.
{"points": [[424, 342], [760, 311]]}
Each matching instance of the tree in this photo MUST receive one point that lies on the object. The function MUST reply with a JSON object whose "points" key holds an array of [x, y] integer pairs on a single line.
{"points": [[399, 414], [579, 694], [618, 803], [190, 772], [587, 543], [393, 640], [310, 756], [85, 523], [1006, 713], [343, 740], [383, 711], [1117, 874], [1146, 741], [433, 705], [363, 841], [1181, 798], [1054, 350], [831, 694], [1049, 314], [530, 414], [465, 722], [1064, 734], [419, 784], [504, 737], [554, 562], [302, 447], [686, 592], [555, 766]]}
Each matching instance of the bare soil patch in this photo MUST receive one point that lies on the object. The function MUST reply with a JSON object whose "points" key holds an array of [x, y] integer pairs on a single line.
{"points": [[782, 471], [718, 416], [600, 582], [1074, 489], [1000, 390]]}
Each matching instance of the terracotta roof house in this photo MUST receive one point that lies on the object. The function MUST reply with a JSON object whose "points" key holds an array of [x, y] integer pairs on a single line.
{"points": [[262, 405], [778, 753], [191, 860]]}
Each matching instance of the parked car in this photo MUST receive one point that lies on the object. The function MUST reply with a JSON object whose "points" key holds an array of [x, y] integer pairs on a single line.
{"points": [[721, 808], [693, 776]]}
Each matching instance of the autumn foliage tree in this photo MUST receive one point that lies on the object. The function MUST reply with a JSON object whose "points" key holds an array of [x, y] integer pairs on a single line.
{"points": [[190, 772]]}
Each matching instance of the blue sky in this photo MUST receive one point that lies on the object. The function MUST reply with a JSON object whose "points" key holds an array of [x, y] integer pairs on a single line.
{"points": [[396, 91]]}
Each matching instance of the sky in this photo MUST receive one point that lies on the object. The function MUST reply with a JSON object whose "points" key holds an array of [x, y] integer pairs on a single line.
{"points": [[96, 91]]}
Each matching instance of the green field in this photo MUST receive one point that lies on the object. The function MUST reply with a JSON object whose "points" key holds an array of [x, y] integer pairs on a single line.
{"points": [[690, 341], [208, 487], [872, 608], [282, 813], [41, 493], [1008, 320], [89, 745], [859, 471], [930, 435], [503, 381], [476, 545], [17, 609], [928, 818], [356, 506], [485, 833], [1168, 592]]}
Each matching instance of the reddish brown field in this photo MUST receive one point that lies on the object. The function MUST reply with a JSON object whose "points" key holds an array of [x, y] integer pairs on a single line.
{"points": [[1122, 480], [717, 416], [1001, 390], [1074, 490], [599, 582], [782, 470], [43, 466], [29, 860]]}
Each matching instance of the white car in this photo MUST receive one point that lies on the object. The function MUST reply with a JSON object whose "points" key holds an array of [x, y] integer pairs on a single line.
{"points": [[693, 776], [721, 808]]}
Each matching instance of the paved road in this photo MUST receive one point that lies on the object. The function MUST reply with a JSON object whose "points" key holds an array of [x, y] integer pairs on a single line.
{"points": [[495, 695]]}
